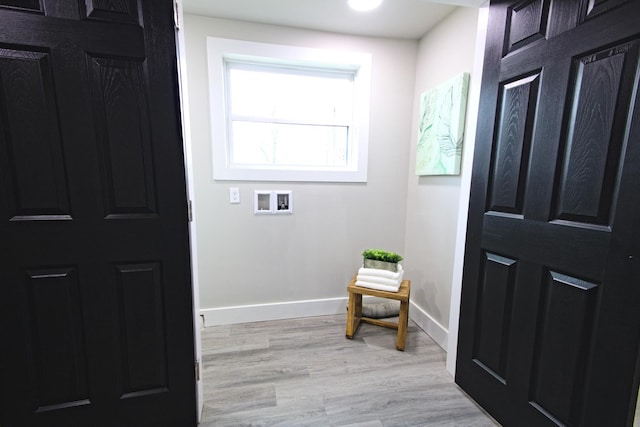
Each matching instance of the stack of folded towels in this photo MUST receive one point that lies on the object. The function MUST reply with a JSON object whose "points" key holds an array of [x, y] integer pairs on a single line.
{"points": [[382, 280]]}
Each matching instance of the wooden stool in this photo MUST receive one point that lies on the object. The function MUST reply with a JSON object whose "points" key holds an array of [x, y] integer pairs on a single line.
{"points": [[354, 315]]}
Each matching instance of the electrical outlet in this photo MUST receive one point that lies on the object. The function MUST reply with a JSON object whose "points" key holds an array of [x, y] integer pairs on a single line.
{"points": [[234, 195]]}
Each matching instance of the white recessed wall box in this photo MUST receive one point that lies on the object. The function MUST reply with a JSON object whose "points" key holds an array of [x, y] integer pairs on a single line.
{"points": [[272, 202]]}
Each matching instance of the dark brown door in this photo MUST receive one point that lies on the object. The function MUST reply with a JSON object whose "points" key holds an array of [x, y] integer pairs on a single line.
{"points": [[550, 315], [95, 285]]}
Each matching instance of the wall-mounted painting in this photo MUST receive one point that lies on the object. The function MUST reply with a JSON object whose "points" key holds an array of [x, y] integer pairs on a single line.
{"points": [[441, 127]]}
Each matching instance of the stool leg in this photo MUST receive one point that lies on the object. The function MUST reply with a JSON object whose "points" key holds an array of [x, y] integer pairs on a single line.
{"points": [[403, 323], [351, 315], [354, 313]]}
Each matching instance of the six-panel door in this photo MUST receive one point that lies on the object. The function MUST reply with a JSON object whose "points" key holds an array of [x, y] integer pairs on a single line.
{"points": [[549, 318], [95, 291]]}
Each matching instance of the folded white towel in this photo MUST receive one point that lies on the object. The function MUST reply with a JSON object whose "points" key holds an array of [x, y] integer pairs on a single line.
{"points": [[380, 280], [377, 286], [382, 273]]}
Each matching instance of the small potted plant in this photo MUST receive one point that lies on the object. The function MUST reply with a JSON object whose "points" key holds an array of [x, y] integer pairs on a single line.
{"points": [[380, 259]]}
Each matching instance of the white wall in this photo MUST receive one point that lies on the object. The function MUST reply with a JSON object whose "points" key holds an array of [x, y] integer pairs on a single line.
{"points": [[433, 202], [636, 420], [249, 265]]}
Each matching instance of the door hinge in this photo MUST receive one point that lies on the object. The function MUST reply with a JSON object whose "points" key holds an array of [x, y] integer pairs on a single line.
{"points": [[189, 211], [176, 14], [197, 370]]}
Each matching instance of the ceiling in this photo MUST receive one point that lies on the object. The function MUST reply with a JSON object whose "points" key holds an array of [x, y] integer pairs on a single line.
{"points": [[407, 19]]}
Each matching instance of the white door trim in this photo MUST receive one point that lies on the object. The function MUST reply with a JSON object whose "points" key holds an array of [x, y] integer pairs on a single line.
{"points": [[465, 186], [186, 135]]}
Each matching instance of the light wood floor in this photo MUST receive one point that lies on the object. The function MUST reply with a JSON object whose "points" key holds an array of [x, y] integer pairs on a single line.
{"points": [[304, 372]]}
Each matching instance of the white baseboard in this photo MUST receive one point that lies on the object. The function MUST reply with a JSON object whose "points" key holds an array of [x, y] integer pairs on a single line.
{"points": [[428, 324], [274, 311], [308, 308]]}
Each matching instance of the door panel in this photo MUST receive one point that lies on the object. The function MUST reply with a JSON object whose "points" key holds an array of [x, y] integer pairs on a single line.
{"points": [[33, 5], [124, 135], [549, 332], [527, 23], [494, 315], [518, 100], [30, 123], [56, 338], [109, 10], [95, 286], [141, 322], [563, 337], [591, 159]]}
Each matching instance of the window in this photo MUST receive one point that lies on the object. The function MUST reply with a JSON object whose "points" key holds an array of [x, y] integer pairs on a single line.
{"points": [[288, 117], [284, 113]]}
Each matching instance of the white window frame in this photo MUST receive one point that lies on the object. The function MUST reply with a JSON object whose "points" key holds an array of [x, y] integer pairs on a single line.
{"points": [[219, 50]]}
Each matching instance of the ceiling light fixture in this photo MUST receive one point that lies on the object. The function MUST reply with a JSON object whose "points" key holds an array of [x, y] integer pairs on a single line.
{"points": [[364, 5]]}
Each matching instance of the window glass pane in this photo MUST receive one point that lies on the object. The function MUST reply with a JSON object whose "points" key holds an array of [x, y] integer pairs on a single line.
{"points": [[302, 97], [256, 143]]}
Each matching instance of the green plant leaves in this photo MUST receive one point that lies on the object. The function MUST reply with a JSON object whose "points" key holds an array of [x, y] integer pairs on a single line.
{"points": [[381, 255]]}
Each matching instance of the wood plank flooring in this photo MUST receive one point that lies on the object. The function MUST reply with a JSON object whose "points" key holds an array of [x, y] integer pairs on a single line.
{"points": [[304, 372]]}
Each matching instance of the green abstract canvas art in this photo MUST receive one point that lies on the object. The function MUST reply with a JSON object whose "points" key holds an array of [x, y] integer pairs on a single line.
{"points": [[441, 127]]}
